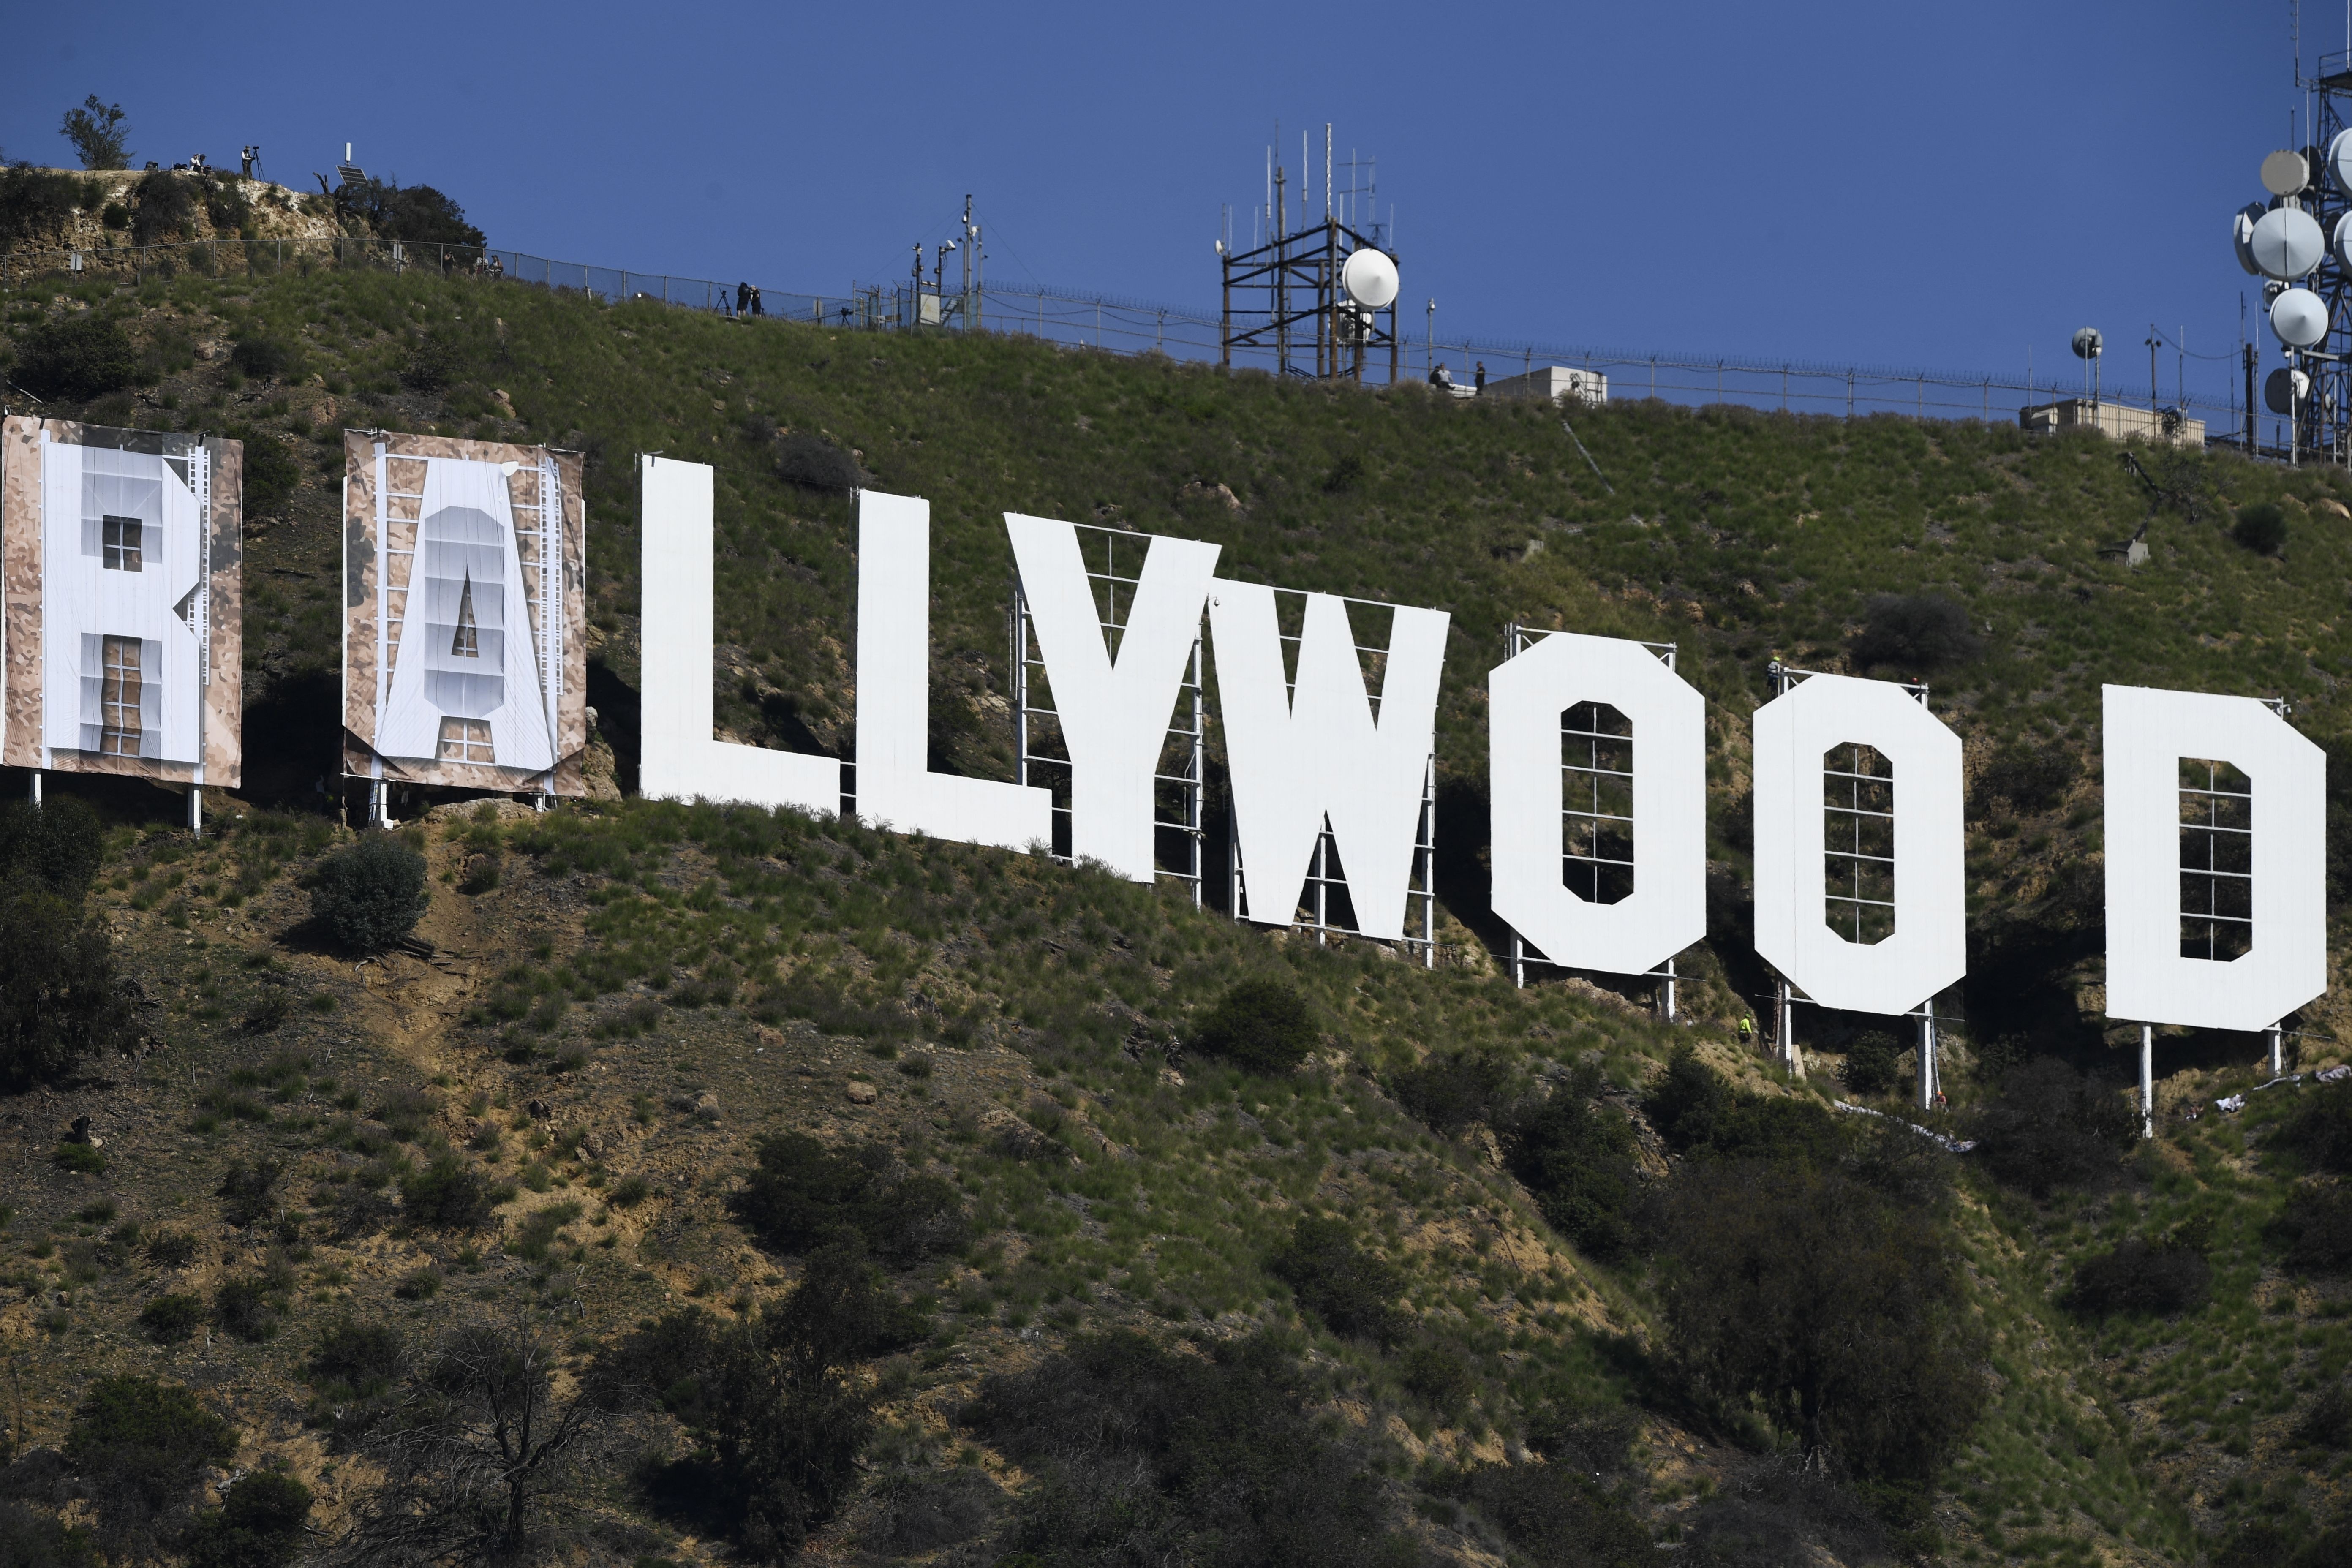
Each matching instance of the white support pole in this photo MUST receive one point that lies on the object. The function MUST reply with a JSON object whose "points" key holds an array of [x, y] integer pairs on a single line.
{"points": [[37, 789], [1786, 1026], [1930, 1074], [196, 810], [1666, 990], [2278, 1049], [2147, 1081]]}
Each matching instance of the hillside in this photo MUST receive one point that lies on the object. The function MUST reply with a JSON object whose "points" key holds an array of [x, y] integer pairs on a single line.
{"points": [[1491, 1338]]}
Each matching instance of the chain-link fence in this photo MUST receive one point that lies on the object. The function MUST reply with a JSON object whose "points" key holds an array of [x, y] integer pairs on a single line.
{"points": [[1115, 325]]}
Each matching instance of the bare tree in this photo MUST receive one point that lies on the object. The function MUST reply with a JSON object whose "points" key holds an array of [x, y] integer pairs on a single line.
{"points": [[474, 1453]]}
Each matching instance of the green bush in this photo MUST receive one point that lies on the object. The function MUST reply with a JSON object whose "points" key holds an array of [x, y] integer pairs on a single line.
{"points": [[244, 1307], [1450, 1090], [168, 1320], [36, 1539], [2049, 1128], [82, 1159], [261, 358], [62, 1000], [802, 1195], [1869, 1068], [449, 1193], [1352, 1291], [259, 1524], [814, 463], [2141, 1278], [32, 202], [2261, 528], [1577, 1159], [1918, 632], [163, 209], [1139, 1454], [2315, 1227], [59, 844], [139, 1446], [270, 476], [1259, 1026], [369, 895], [75, 358], [248, 1194]]}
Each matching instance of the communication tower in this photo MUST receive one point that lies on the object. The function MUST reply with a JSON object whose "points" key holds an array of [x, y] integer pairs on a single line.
{"points": [[1317, 295], [2299, 241]]}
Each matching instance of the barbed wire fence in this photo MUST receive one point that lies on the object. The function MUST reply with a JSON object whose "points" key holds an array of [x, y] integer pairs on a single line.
{"points": [[1119, 324]]}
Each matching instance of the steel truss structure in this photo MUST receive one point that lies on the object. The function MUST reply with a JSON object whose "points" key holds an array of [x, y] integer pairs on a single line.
{"points": [[2321, 424], [1324, 906], [1596, 810], [1866, 899], [1041, 752], [1284, 298]]}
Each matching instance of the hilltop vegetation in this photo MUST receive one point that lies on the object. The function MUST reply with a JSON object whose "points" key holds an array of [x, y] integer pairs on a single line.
{"points": [[812, 1184]]}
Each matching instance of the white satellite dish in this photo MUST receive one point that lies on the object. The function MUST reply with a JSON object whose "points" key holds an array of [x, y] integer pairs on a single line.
{"points": [[2287, 243], [2340, 242], [2339, 162], [2284, 389], [2088, 343], [1370, 278], [2241, 235], [2299, 317], [2286, 174]]}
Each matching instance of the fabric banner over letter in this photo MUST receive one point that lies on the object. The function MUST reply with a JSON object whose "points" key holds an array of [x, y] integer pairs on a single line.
{"points": [[122, 581], [465, 575]]}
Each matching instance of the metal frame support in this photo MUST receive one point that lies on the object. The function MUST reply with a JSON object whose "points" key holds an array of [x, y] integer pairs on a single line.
{"points": [[1931, 1076], [2147, 1081]]}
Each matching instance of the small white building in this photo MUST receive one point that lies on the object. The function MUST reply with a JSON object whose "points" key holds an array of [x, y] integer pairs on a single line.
{"points": [[1556, 383], [2118, 421]]}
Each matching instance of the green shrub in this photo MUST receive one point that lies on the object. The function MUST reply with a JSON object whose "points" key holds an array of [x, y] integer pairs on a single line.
{"points": [[62, 1001], [1869, 1068], [244, 1307], [2261, 528], [75, 358], [814, 463], [139, 1446], [248, 1194], [2326, 1421], [369, 895], [171, 1249], [168, 1320], [1577, 1159], [163, 209], [802, 1195], [82, 1158], [100, 140], [2315, 1227], [2141, 1278], [269, 1010], [1259, 1026], [270, 476], [39, 1540], [1917, 632], [1139, 1454], [1553, 1514], [2049, 1128], [1352, 1291], [449, 1193], [1450, 1090], [58, 844], [259, 1524], [261, 358]]}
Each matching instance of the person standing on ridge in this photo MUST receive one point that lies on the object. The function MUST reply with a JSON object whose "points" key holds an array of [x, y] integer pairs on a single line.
{"points": [[1480, 385], [742, 298]]}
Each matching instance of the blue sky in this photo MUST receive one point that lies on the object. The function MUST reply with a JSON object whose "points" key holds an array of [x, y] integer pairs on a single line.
{"points": [[1946, 186]]}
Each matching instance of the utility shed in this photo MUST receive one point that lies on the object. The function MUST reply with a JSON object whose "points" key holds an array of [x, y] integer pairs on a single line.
{"points": [[2119, 421], [1556, 383]]}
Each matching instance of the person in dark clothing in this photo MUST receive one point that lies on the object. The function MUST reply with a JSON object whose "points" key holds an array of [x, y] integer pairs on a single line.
{"points": [[755, 303], [1480, 385], [742, 298]]}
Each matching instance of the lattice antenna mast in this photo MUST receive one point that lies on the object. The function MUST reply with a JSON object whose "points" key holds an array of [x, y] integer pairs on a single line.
{"points": [[1317, 302]]}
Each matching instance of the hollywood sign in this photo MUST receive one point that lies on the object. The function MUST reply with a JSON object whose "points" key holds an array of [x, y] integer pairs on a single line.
{"points": [[464, 667], [1318, 750]]}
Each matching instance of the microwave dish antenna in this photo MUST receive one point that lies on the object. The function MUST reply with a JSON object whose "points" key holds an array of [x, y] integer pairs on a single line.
{"points": [[2286, 173], [2284, 391], [2299, 317], [2089, 343], [2241, 235], [2338, 162], [2287, 243], [1370, 278], [2339, 242]]}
